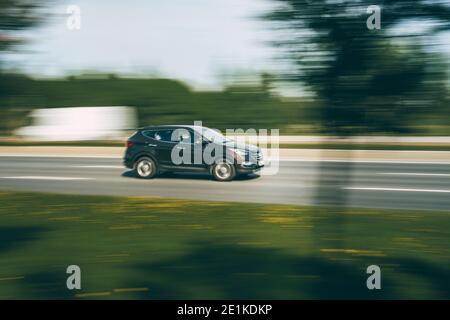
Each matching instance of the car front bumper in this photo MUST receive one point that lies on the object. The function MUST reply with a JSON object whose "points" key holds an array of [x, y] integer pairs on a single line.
{"points": [[249, 167]]}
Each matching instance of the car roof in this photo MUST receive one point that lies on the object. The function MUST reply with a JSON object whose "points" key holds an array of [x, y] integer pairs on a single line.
{"points": [[167, 126]]}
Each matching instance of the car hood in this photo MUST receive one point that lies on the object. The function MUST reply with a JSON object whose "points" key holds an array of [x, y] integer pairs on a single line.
{"points": [[242, 146]]}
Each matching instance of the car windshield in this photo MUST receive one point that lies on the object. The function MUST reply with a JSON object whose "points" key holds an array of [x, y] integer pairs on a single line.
{"points": [[212, 135]]}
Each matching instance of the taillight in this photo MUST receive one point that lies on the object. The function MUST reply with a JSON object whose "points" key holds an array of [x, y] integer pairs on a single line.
{"points": [[130, 144]]}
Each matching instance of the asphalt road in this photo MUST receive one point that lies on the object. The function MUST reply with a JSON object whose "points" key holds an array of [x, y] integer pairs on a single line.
{"points": [[375, 185]]}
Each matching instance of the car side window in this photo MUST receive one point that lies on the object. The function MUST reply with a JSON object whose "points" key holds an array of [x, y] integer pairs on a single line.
{"points": [[164, 135], [182, 135], [170, 135], [150, 134]]}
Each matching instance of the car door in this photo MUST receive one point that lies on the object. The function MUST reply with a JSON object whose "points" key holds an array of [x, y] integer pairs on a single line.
{"points": [[196, 147], [181, 148], [164, 145], [183, 157], [149, 145], [157, 143]]}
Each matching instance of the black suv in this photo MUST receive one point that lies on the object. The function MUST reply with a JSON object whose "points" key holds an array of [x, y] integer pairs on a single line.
{"points": [[172, 148]]}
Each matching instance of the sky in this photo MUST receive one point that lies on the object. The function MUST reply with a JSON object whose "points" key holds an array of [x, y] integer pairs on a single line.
{"points": [[200, 42], [197, 41]]}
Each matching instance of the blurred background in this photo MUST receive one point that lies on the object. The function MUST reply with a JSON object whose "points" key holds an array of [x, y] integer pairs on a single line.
{"points": [[363, 113], [306, 68]]}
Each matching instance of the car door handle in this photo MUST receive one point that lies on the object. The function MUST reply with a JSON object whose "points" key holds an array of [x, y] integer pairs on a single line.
{"points": [[151, 145], [182, 148]]}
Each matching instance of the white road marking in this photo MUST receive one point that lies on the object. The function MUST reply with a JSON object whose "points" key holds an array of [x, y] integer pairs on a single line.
{"points": [[46, 178], [415, 174], [99, 167], [362, 161], [397, 189]]}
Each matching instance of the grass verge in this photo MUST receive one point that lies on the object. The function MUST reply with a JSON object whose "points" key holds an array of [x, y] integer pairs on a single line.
{"points": [[154, 248]]}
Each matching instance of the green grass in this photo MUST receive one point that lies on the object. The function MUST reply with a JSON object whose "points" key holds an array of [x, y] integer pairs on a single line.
{"points": [[154, 248]]}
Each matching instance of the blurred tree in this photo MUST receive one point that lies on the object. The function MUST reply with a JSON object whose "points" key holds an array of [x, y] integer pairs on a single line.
{"points": [[158, 101], [365, 79], [16, 15]]}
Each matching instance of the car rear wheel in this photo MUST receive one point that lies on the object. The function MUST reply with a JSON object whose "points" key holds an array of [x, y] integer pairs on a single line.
{"points": [[145, 168], [223, 171]]}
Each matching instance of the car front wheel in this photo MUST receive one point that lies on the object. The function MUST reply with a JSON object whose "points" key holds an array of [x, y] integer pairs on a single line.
{"points": [[223, 171], [145, 168]]}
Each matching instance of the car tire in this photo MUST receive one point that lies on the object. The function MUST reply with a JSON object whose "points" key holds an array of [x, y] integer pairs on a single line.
{"points": [[145, 168], [223, 171]]}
